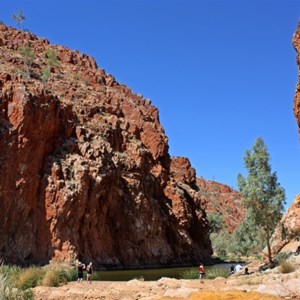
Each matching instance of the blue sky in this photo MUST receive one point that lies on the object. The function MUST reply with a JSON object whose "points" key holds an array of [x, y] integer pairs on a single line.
{"points": [[222, 73]]}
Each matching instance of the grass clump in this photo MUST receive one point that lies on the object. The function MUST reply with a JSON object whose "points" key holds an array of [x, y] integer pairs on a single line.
{"points": [[217, 272], [286, 267], [56, 276], [8, 289], [16, 283], [250, 280], [190, 274], [30, 277], [210, 273]]}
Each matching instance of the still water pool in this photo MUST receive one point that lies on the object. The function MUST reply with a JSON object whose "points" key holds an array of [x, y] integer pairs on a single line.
{"points": [[150, 274]]}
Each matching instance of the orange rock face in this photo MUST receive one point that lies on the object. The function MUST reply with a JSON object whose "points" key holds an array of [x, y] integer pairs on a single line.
{"points": [[222, 199], [286, 236], [85, 170], [296, 43]]}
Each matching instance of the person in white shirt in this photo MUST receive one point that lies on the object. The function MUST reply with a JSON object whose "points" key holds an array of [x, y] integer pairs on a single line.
{"points": [[237, 268]]}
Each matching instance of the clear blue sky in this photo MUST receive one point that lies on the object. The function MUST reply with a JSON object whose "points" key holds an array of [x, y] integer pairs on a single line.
{"points": [[222, 73]]}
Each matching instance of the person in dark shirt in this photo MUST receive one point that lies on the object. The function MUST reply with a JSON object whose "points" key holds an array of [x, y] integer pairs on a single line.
{"points": [[80, 269], [247, 271]]}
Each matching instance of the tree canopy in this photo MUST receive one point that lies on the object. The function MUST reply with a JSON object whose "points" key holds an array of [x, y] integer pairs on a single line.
{"points": [[262, 194]]}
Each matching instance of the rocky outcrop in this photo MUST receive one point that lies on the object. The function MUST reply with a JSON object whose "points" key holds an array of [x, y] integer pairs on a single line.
{"points": [[296, 43], [287, 234], [85, 170], [222, 199]]}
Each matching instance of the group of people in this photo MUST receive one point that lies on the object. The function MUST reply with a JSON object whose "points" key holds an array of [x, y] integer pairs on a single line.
{"points": [[89, 271], [233, 269], [237, 268]]}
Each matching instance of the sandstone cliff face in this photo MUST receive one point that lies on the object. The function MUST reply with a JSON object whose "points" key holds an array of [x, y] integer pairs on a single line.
{"points": [[222, 199], [286, 236], [287, 233], [296, 43], [85, 171]]}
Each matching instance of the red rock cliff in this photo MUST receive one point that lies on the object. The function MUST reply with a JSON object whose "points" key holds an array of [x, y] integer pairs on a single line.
{"points": [[286, 235], [222, 199], [85, 170], [296, 43]]}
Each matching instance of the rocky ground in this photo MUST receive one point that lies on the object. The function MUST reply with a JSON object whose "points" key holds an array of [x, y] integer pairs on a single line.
{"points": [[271, 284]]}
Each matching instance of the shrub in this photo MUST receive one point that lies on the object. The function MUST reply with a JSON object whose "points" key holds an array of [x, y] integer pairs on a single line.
{"points": [[52, 60], [23, 295], [54, 277], [3, 286], [72, 275], [28, 56], [10, 271], [9, 292], [30, 278], [221, 241], [45, 74], [17, 282], [286, 267]]}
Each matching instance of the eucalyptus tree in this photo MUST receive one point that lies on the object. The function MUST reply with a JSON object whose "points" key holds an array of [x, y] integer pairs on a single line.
{"points": [[261, 192]]}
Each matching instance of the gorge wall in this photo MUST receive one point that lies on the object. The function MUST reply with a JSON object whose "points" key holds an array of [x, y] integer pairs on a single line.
{"points": [[287, 234], [224, 200], [84, 167], [296, 43], [85, 171]]}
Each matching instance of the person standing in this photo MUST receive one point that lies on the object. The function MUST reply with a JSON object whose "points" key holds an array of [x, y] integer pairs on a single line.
{"points": [[201, 271], [89, 272], [80, 269]]}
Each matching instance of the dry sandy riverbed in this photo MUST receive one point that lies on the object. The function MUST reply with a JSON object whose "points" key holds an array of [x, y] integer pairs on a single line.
{"points": [[268, 286]]}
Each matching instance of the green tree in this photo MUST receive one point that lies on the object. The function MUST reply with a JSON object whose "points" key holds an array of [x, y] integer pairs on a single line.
{"points": [[221, 242], [216, 222], [248, 238], [19, 18], [219, 234], [262, 194]]}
